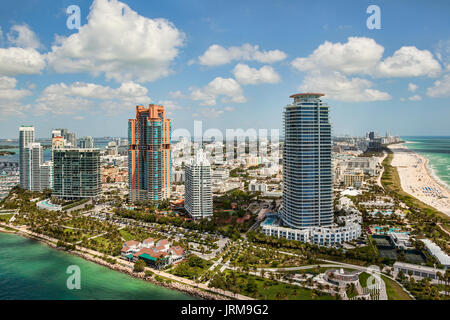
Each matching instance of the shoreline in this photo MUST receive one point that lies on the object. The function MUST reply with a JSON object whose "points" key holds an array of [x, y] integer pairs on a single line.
{"points": [[429, 168], [172, 285], [418, 179]]}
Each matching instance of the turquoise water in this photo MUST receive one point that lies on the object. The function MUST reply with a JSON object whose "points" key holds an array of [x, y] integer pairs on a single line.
{"points": [[48, 204], [268, 221], [31, 270], [437, 151]]}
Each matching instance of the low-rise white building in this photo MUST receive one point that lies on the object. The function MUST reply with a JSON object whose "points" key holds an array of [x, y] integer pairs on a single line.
{"points": [[437, 252], [255, 186], [330, 235]]}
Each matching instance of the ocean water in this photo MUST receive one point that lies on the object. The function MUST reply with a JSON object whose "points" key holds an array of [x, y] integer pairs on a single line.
{"points": [[100, 143], [437, 151], [33, 271]]}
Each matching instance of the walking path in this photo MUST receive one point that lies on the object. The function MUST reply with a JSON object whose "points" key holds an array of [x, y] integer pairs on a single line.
{"points": [[382, 170], [130, 265]]}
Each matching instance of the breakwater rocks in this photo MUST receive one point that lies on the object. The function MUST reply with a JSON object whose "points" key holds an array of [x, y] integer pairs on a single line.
{"points": [[173, 285]]}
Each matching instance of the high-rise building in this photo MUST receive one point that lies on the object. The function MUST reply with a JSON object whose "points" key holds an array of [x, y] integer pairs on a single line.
{"points": [[149, 154], [35, 150], [46, 175], [56, 133], [34, 175], [26, 137], [307, 176], [86, 142], [198, 195], [71, 138], [76, 173]]}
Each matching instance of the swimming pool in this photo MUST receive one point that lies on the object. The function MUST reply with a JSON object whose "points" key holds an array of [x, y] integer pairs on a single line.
{"points": [[268, 221], [47, 205], [396, 230]]}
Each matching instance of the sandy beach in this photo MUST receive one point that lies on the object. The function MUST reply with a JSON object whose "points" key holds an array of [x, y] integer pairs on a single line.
{"points": [[417, 180]]}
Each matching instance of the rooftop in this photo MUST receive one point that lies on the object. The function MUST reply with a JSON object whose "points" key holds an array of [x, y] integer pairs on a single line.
{"points": [[306, 94], [435, 250]]}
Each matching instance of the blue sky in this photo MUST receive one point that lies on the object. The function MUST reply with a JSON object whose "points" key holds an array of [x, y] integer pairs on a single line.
{"points": [[232, 64]]}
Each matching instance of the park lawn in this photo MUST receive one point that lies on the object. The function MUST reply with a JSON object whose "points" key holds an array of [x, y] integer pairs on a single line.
{"points": [[5, 217], [394, 291], [275, 290], [363, 276], [126, 235]]}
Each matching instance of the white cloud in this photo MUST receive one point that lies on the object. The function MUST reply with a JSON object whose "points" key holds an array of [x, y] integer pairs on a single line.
{"points": [[211, 112], [415, 97], [443, 52], [22, 36], [11, 98], [177, 95], [409, 62], [120, 43], [14, 61], [338, 87], [170, 105], [441, 88], [361, 55], [357, 55], [412, 87], [22, 57], [217, 55], [227, 87], [246, 75], [68, 99]]}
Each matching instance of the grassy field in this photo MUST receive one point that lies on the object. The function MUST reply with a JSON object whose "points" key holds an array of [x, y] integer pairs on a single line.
{"points": [[394, 291], [274, 290], [363, 276], [5, 217]]}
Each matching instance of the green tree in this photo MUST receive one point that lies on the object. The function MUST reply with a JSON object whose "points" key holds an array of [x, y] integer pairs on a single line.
{"points": [[139, 266]]}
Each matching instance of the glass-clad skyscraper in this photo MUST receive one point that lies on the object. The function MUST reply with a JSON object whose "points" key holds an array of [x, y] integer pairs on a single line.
{"points": [[26, 138], [307, 177], [76, 173], [149, 154]]}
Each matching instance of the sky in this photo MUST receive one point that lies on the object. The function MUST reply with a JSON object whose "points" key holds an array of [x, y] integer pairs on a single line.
{"points": [[231, 64]]}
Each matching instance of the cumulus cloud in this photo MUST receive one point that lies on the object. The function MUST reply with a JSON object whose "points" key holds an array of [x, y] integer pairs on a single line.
{"points": [[338, 87], [226, 87], [170, 105], [120, 43], [177, 95], [360, 55], [217, 55], [211, 112], [415, 97], [357, 55], [441, 88], [22, 57], [68, 99], [11, 97], [409, 62], [412, 87], [23, 37], [246, 75], [14, 61]]}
